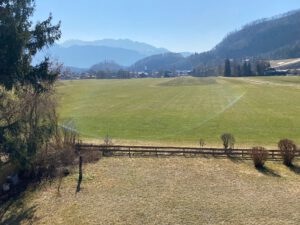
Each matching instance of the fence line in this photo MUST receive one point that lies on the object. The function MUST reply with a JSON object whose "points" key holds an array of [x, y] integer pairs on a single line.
{"points": [[162, 151]]}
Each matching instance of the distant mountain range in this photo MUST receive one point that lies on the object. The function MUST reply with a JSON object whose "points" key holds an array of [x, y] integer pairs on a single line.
{"points": [[142, 48], [84, 54]]}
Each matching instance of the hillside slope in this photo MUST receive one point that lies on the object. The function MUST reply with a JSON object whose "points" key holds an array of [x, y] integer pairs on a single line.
{"points": [[263, 37], [167, 61], [274, 38], [106, 66]]}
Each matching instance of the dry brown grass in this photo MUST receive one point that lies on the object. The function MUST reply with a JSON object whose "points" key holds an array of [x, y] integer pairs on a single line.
{"points": [[167, 191]]}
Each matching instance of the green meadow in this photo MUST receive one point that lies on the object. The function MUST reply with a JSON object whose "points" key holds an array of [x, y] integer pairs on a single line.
{"points": [[258, 111]]}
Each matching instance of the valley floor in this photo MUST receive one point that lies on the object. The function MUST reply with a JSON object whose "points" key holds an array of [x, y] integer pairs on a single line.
{"points": [[181, 111], [165, 191]]}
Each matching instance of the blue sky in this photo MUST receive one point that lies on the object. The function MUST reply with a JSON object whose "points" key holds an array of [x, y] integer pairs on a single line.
{"points": [[179, 25]]}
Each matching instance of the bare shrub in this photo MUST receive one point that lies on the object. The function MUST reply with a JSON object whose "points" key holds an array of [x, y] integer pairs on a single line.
{"points": [[228, 141], [107, 142], [202, 143], [66, 152], [259, 156], [91, 156], [57, 156], [288, 151]]}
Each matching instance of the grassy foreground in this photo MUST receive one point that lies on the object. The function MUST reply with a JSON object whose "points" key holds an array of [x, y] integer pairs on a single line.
{"points": [[165, 191], [183, 110]]}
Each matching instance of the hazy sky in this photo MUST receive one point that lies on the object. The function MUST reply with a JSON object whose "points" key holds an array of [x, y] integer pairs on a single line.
{"points": [[179, 25]]}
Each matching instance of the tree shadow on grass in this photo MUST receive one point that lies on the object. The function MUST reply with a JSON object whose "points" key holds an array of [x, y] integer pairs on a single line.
{"points": [[18, 217], [268, 172], [295, 169], [236, 160]]}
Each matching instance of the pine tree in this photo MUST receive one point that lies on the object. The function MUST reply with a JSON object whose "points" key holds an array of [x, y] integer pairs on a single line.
{"points": [[239, 71], [27, 106], [20, 41], [227, 70], [249, 69], [245, 69]]}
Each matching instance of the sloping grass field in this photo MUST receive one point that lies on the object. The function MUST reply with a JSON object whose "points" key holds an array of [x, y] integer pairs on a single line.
{"points": [[183, 110], [164, 191]]}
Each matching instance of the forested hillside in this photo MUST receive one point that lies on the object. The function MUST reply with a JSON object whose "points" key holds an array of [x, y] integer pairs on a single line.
{"points": [[106, 66], [274, 38], [167, 61]]}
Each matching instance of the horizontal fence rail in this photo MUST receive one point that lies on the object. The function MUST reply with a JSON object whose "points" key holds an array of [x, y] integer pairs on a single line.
{"points": [[162, 151]]}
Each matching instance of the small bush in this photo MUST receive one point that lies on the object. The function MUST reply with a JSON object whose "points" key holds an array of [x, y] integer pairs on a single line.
{"points": [[202, 143], [259, 156], [55, 158], [107, 142], [91, 156], [228, 141], [288, 151]]}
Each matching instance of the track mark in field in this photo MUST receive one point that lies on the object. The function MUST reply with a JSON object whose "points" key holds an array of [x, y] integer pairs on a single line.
{"points": [[217, 114], [228, 106], [271, 83]]}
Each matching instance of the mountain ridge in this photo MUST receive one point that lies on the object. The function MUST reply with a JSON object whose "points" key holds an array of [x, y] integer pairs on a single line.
{"points": [[84, 54], [140, 47]]}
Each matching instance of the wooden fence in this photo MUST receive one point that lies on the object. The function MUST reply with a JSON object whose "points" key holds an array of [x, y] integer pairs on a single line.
{"points": [[156, 151]]}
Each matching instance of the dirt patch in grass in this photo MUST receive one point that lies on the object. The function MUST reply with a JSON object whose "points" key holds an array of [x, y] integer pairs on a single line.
{"points": [[166, 191]]}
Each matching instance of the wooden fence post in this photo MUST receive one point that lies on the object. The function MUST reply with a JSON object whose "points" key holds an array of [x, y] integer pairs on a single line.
{"points": [[80, 174], [156, 151]]}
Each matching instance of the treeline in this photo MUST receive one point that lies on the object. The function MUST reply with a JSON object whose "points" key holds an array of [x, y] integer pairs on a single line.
{"points": [[234, 68], [107, 74], [67, 74], [120, 74]]}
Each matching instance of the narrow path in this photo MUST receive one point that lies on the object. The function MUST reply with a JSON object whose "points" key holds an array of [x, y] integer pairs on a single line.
{"points": [[264, 82]]}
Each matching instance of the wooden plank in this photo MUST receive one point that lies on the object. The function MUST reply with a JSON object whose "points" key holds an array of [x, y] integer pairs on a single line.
{"points": [[130, 150]]}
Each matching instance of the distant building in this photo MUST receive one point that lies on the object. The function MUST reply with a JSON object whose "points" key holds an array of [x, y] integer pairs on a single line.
{"points": [[275, 72]]}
